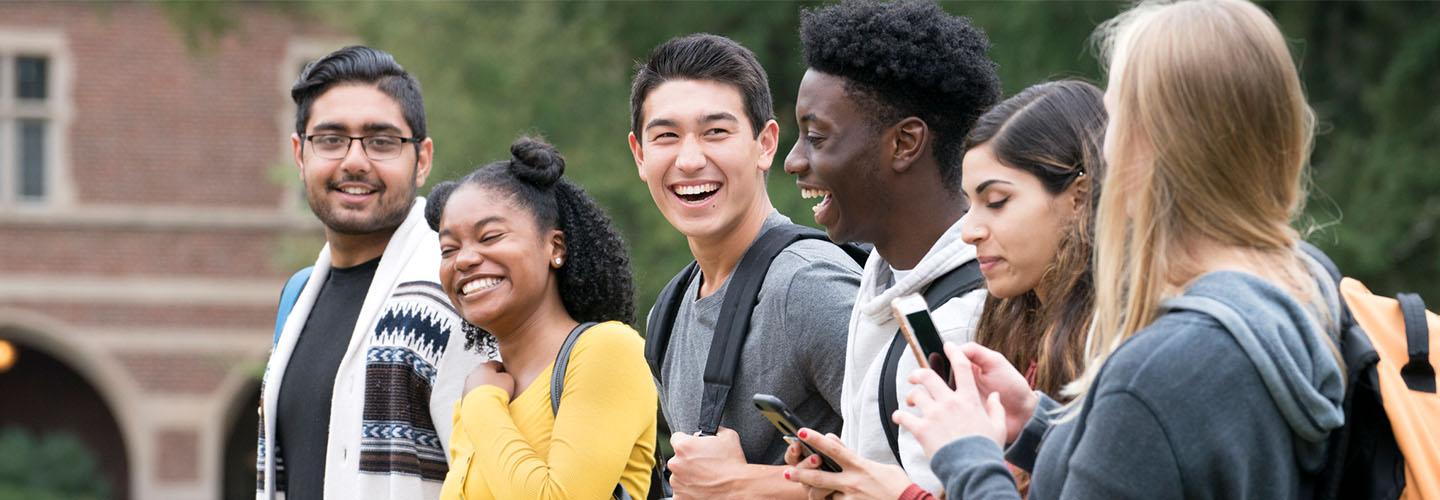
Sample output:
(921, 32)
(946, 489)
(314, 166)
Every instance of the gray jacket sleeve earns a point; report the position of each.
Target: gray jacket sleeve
(1124, 453)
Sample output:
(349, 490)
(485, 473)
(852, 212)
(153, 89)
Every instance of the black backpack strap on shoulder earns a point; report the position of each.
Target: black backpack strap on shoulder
(1418, 374)
(733, 324)
(662, 318)
(562, 360)
(957, 282)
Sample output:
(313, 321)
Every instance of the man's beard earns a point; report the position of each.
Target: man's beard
(388, 213)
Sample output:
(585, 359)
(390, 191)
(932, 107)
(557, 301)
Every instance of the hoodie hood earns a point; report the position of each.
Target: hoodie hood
(1291, 345)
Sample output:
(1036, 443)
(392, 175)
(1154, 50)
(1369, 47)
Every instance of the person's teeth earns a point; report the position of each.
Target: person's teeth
(480, 284)
(808, 193)
(697, 189)
(355, 190)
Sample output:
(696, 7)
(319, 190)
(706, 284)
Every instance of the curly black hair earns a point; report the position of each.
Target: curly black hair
(907, 58)
(595, 281)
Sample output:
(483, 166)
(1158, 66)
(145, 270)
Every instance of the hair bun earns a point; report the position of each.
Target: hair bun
(435, 203)
(536, 162)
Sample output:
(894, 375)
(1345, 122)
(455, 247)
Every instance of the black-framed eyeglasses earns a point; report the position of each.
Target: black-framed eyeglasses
(376, 147)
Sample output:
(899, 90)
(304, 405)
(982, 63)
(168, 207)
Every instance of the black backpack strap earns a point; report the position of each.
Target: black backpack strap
(957, 282)
(733, 324)
(662, 318)
(1418, 374)
(562, 359)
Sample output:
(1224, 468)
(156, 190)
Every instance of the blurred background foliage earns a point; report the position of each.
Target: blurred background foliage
(493, 71)
(55, 466)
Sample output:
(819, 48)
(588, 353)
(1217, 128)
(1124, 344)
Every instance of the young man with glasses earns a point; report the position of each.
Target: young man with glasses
(368, 364)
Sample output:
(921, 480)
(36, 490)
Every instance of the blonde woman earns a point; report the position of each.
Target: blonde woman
(1211, 371)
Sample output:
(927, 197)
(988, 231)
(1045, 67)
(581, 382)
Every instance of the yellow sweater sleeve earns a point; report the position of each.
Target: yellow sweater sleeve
(605, 429)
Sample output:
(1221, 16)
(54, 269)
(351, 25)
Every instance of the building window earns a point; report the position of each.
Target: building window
(28, 113)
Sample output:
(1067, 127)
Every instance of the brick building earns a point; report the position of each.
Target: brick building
(149, 213)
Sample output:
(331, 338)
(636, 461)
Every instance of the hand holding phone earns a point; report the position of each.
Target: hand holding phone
(788, 424)
(920, 333)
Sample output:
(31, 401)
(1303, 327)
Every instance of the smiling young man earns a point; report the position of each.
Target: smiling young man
(703, 137)
(882, 127)
(363, 378)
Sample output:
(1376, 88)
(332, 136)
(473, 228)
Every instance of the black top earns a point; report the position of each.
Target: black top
(302, 424)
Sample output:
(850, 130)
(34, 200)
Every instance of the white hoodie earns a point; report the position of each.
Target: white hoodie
(871, 330)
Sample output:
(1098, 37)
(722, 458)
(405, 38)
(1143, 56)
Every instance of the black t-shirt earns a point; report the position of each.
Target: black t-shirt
(302, 425)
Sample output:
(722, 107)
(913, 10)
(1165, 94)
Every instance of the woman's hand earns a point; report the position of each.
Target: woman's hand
(861, 478)
(983, 381)
(994, 374)
(490, 373)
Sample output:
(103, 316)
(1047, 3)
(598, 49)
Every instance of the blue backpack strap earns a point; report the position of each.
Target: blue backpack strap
(288, 296)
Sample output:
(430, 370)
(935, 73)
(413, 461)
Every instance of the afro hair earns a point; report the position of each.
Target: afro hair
(907, 58)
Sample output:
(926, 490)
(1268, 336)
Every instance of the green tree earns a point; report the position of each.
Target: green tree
(492, 71)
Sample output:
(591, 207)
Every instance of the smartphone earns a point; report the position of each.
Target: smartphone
(788, 424)
(920, 333)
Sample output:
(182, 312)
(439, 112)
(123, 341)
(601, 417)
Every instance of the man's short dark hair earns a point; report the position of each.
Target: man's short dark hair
(704, 57)
(364, 65)
(907, 58)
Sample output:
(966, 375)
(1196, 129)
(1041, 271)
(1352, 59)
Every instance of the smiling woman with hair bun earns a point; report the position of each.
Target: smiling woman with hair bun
(531, 263)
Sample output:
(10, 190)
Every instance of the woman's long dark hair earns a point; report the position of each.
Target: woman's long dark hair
(1053, 131)
(595, 283)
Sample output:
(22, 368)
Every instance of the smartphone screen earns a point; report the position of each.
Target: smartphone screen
(788, 424)
(921, 334)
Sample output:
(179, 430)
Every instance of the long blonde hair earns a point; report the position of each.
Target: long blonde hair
(1211, 134)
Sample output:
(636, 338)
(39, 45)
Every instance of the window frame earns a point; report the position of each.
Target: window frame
(55, 109)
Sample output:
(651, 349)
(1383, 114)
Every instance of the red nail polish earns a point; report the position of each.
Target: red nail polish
(787, 474)
(803, 434)
(814, 460)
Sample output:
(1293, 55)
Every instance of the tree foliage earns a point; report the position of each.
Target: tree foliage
(492, 71)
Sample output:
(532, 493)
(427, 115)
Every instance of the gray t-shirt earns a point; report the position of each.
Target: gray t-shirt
(795, 350)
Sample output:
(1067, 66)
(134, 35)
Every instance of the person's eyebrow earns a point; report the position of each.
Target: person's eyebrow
(986, 185)
(329, 127)
(381, 127)
(719, 116)
(659, 122)
(482, 222)
(475, 227)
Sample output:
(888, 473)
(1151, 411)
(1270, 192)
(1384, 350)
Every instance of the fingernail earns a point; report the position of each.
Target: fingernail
(787, 474)
(803, 434)
(814, 460)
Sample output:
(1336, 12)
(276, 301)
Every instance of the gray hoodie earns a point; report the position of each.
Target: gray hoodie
(1229, 394)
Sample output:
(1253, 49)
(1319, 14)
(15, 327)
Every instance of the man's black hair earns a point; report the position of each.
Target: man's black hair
(907, 58)
(595, 282)
(704, 57)
(359, 64)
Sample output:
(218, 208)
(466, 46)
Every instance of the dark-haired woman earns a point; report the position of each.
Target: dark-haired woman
(527, 257)
(1030, 172)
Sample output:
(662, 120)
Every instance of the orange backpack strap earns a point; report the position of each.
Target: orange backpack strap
(1417, 373)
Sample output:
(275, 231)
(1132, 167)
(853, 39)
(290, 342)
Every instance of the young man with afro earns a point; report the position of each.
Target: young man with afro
(890, 93)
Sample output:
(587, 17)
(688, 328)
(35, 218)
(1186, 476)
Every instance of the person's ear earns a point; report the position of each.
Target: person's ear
(1079, 193)
(557, 249)
(297, 147)
(909, 138)
(423, 161)
(638, 153)
(769, 139)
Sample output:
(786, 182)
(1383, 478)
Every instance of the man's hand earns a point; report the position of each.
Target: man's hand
(709, 466)
(490, 373)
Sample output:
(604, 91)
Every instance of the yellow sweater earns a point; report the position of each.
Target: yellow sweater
(604, 434)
